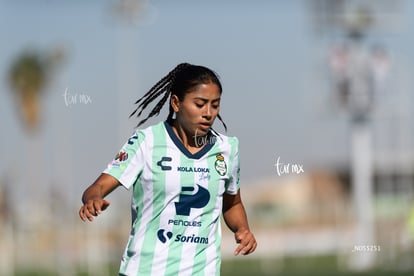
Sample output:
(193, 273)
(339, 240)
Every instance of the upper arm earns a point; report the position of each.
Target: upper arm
(230, 200)
(129, 162)
(233, 182)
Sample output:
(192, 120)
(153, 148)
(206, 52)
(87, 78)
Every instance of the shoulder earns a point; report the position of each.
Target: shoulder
(139, 135)
(232, 141)
(150, 129)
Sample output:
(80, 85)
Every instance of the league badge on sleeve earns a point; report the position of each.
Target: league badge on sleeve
(119, 160)
(220, 165)
(121, 156)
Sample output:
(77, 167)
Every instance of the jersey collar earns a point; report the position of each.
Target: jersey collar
(211, 140)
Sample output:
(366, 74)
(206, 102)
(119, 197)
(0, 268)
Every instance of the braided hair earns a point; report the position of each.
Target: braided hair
(179, 81)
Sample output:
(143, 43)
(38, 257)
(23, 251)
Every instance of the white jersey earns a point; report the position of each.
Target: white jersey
(177, 201)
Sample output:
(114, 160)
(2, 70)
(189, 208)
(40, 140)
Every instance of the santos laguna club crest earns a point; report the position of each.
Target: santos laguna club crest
(220, 165)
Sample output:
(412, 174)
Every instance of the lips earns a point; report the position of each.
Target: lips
(205, 126)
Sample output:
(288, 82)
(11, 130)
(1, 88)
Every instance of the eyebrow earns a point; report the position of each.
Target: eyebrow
(206, 100)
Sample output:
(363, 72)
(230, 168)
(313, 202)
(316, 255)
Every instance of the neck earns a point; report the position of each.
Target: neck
(187, 139)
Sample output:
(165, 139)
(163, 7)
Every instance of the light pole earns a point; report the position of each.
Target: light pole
(352, 76)
(359, 101)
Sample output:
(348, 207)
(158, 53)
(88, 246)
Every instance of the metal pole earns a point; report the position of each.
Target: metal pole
(362, 177)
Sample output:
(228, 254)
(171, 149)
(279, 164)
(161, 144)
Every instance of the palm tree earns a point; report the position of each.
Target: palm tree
(28, 76)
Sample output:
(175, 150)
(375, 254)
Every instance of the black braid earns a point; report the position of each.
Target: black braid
(156, 110)
(150, 94)
(166, 86)
(221, 120)
(149, 99)
(161, 82)
(161, 87)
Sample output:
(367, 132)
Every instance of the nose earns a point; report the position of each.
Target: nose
(207, 112)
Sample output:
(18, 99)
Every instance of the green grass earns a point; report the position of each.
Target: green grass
(297, 266)
(287, 266)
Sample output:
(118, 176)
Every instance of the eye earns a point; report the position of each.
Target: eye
(215, 104)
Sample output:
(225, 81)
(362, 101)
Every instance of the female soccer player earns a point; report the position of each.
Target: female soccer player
(183, 176)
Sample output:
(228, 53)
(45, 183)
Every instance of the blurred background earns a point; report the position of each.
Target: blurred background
(319, 92)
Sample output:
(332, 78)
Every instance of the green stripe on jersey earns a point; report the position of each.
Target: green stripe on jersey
(137, 193)
(158, 198)
(200, 260)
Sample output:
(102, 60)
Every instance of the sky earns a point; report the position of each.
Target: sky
(272, 63)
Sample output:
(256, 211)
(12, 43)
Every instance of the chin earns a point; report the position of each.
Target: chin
(200, 132)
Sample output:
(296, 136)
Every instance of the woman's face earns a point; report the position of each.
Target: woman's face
(198, 110)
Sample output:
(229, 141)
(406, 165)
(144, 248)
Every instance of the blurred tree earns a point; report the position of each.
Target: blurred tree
(28, 77)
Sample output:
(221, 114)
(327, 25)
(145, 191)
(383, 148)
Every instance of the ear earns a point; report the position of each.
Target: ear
(175, 103)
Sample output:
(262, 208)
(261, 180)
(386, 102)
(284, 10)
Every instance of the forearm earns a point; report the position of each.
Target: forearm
(92, 192)
(234, 213)
(236, 218)
(93, 197)
(102, 186)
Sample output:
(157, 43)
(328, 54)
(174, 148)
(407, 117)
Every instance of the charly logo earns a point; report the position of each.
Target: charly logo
(163, 236)
(162, 164)
(131, 139)
(188, 200)
(220, 165)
